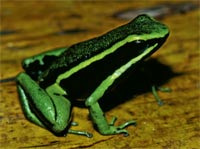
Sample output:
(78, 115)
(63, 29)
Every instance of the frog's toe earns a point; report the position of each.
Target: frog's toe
(78, 132)
(112, 122)
(132, 122)
(117, 129)
(114, 119)
(122, 131)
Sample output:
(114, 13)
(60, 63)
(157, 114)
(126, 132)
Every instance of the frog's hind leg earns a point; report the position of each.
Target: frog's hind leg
(40, 108)
(57, 93)
(26, 108)
(46, 108)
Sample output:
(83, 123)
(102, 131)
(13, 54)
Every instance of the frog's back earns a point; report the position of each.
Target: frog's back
(82, 51)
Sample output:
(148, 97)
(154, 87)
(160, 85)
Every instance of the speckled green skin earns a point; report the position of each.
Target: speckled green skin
(142, 25)
(43, 89)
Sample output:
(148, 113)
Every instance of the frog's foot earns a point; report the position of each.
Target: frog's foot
(103, 126)
(78, 132)
(120, 128)
(156, 96)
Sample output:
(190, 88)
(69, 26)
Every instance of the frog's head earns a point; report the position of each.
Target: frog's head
(145, 35)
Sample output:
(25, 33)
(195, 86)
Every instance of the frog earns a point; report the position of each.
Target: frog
(52, 80)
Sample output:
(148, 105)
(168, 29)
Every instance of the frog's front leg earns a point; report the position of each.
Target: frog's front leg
(96, 112)
(103, 126)
(47, 108)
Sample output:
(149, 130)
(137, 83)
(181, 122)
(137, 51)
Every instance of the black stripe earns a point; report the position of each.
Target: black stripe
(85, 50)
(83, 83)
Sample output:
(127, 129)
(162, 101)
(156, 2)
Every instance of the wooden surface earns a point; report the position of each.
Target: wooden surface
(30, 27)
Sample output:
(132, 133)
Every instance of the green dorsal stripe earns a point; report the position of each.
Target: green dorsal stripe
(143, 25)
(100, 56)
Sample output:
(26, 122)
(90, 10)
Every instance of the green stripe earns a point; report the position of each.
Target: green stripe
(99, 91)
(40, 57)
(112, 49)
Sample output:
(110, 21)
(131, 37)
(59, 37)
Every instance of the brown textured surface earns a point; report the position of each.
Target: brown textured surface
(36, 26)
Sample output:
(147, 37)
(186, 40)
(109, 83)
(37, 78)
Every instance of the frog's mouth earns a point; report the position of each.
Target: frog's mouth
(87, 79)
